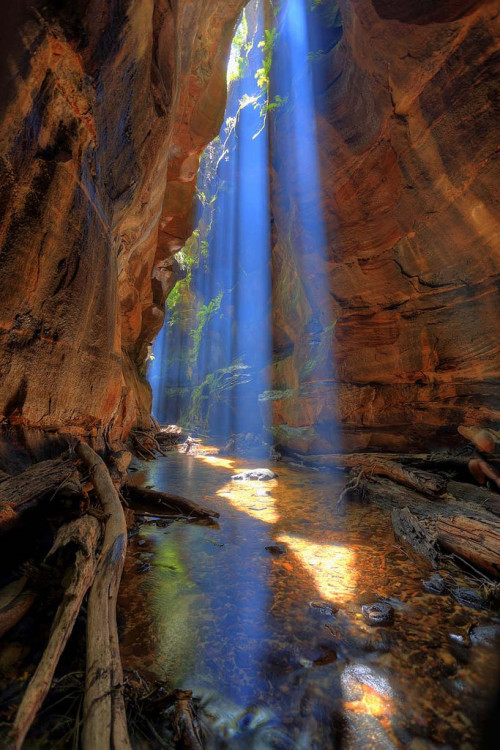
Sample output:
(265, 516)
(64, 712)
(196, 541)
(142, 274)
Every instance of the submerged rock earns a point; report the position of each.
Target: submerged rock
(485, 635)
(260, 475)
(436, 584)
(468, 597)
(379, 613)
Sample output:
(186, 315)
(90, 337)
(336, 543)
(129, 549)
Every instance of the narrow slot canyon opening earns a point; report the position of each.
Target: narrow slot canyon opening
(249, 375)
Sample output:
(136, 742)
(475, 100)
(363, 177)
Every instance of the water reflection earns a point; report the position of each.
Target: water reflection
(333, 567)
(220, 614)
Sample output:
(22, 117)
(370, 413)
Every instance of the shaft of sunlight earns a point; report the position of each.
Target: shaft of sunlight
(208, 373)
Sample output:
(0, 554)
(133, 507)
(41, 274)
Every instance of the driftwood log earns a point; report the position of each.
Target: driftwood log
(470, 521)
(23, 492)
(426, 461)
(104, 720)
(84, 534)
(175, 503)
(477, 541)
(478, 497)
(410, 529)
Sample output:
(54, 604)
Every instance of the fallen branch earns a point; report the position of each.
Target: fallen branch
(352, 485)
(177, 503)
(104, 719)
(84, 533)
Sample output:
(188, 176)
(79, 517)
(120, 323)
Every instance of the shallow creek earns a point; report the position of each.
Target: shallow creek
(215, 612)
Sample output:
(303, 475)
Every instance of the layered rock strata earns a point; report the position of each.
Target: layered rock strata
(104, 112)
(407, 147)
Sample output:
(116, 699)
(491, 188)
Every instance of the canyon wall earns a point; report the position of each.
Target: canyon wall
(105, 109)
(407, 147)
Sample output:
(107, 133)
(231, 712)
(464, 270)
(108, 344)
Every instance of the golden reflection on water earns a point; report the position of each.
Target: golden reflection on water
(218, 461)
(332, 566)
(244, 497)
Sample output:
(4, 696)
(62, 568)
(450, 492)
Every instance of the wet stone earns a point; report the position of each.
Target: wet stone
(259, 475)
(485, 635)
(379, 613)
(436, 584)
(468, 597)
(322, 608)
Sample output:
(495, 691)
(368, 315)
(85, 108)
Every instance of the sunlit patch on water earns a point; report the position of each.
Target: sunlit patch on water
(332, 566)
(246, 497)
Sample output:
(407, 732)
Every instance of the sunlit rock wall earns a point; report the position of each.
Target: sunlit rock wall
(105, 108)
(407, 147)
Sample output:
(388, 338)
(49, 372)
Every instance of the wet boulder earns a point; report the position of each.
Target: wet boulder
(259, 475)
(485, 635)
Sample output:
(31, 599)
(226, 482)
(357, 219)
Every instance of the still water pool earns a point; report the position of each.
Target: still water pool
(273, 641)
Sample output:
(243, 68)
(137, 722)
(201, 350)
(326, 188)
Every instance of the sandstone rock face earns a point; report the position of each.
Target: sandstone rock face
(407, 147)
(105, 109)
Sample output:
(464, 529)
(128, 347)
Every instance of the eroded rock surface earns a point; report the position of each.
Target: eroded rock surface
(407, 148)
(105, 110)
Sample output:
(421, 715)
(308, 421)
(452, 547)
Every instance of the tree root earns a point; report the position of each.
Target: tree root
(104, 720)
(84, 533)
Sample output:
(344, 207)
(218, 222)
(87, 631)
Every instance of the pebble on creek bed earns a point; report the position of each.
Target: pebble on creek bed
(378, 613)
(324, 608)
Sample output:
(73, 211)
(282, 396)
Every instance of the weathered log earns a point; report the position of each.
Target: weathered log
(410, 529)
(416, 479)
(387, 495)
(176, 503)
(84, 533)
(476, 541)
(22, 492)
(426, 461)
(476, 496)
(104, 720)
